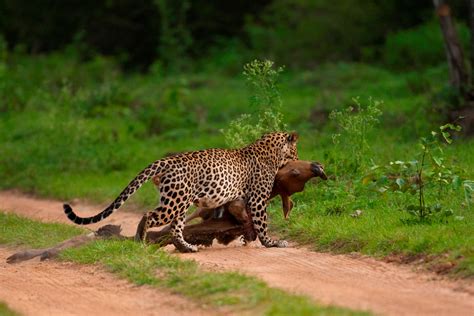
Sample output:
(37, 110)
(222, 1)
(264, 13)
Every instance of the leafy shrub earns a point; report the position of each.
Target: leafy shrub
(354, 124)
(419, 47)
(468, 188)
(226, 58)
(174, 112)
(429, 171)
(265, 100)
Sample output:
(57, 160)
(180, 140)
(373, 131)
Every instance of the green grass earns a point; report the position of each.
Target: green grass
(16, 231)
(384, 228)
(6, 311)
(152, 266)
(84, 130)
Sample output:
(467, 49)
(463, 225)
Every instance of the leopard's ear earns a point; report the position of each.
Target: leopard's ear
(293, 137)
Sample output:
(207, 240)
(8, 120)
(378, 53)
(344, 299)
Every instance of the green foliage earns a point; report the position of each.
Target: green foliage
(16, 230)
(3, 53)
(262, 79)
(468, 188)
(6, 311)
(265, 100)
(419, 47)
(354, 125)
(167, 35)
(430, 170)
(172, 114)
(381, 229)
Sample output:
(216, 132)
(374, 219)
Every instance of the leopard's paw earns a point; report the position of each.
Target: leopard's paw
(276, 243)
(281, 244)
(185, 247)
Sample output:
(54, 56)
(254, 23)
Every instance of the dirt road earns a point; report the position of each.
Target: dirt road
(58, 288)
(358, 283)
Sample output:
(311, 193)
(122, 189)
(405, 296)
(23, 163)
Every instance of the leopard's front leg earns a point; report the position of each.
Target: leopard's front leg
(258, 209)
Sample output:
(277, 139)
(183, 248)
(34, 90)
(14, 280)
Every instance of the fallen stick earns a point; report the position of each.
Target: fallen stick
(47, 253)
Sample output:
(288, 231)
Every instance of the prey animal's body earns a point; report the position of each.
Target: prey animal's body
(209, 178)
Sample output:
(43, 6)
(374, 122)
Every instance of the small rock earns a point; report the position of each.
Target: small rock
(357, 213)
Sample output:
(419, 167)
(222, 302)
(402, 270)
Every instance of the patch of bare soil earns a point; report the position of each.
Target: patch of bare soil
(358, 283)
(58, 288)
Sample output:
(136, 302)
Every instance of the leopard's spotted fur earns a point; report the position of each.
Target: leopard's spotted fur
(212, 178)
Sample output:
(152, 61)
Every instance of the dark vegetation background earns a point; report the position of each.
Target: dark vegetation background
(93, 91)
(297, 33)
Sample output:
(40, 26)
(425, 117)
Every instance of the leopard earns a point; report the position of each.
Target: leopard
(210, 177)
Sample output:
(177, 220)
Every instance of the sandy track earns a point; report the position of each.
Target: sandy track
(58, 288)
(359, 283)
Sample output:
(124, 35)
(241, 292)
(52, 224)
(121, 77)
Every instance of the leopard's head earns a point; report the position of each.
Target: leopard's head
(278, 146)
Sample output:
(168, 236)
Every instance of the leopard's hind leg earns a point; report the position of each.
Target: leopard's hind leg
(177, 227)
(165, 214)
(161, 215)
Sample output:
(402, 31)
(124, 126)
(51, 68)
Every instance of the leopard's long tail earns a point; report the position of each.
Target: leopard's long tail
(147, 173)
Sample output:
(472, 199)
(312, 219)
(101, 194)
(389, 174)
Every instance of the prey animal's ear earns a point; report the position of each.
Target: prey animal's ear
(293, 137)
(295, 172)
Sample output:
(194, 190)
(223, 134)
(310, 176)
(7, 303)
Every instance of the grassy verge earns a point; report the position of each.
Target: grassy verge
(324, 218)
(17, 231)
(152, 266)
(6, 311)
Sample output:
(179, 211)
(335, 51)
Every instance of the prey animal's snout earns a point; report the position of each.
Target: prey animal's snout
(318, 170)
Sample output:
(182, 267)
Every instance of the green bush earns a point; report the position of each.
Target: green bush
(419, 47)
(354, 124)
(262, 80)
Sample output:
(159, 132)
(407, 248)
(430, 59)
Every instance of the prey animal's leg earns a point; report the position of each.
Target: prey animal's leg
(287, 204)
(238, 209)
(201, 213)
(218, 212)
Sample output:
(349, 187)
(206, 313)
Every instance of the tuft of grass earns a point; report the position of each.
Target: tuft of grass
(16, 230)
(152, 266)
(6, 311)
